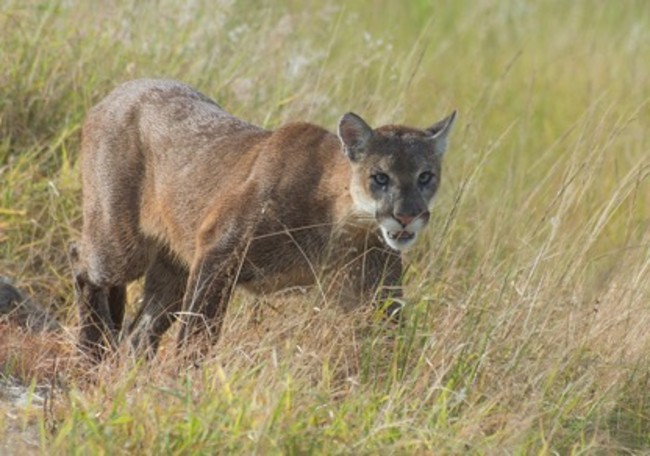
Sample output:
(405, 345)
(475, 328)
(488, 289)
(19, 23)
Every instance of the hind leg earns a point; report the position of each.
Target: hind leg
(164, 286)
(113, 249)
(117, 305)
(100, 277)
(97, 331)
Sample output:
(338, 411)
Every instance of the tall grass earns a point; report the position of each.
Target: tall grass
(529, 298)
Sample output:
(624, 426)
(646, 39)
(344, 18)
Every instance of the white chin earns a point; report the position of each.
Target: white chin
(400, 241)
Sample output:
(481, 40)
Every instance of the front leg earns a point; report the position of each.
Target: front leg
(372, 276)
(221, 249)
(209, 288)
(221, 246)
(381, 280)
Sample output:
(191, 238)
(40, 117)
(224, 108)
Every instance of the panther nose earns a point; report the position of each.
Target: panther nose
(404, 220)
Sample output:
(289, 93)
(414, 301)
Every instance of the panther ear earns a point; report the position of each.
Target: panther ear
(354, 134)
(439, 132)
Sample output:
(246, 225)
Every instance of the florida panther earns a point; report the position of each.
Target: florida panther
(197, 201)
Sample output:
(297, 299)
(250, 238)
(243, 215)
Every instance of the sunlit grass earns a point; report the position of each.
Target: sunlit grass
(526, 329)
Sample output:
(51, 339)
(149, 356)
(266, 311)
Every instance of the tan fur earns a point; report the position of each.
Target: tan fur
(198, 201)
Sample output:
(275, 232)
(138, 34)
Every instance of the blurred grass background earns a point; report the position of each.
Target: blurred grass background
(530, 296)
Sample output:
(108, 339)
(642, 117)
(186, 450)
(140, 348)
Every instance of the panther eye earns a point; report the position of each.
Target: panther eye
(425, 178)
(381, 179)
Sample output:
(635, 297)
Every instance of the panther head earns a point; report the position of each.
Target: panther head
(395, 173)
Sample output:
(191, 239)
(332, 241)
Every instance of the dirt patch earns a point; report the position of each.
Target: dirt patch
(21, 410)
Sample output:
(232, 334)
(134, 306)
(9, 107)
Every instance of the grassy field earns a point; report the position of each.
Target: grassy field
(527, 330)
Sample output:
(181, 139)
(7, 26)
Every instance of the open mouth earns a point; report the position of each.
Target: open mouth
(402, 236)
